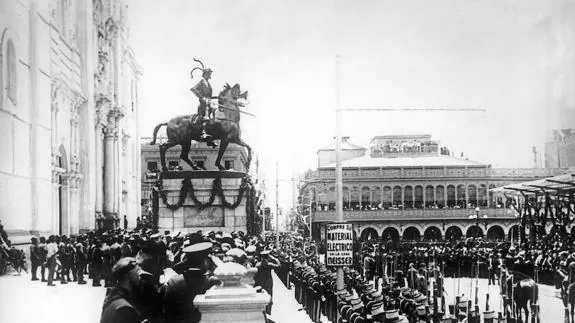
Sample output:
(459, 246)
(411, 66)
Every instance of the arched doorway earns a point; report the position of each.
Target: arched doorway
(474, 232)
(369, 234)
(495, 233)
(432, 234)
(390, 233)
(453, 233)
(411, 233)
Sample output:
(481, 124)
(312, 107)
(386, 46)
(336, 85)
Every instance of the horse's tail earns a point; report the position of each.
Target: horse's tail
(153, 142)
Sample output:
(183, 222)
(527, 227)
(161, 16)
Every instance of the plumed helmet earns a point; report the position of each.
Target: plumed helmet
(202, 68)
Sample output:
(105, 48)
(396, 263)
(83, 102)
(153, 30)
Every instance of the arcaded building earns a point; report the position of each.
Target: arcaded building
(411, 187)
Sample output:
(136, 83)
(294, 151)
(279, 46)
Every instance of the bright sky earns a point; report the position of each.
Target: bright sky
(394, 54)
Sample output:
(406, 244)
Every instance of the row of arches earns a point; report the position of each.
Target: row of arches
(407, 197)
(433, 233)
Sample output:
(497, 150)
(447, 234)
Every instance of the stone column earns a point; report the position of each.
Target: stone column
(98, 165)
(117, 193)
(55, 202)
(108, 160)
(65, 205)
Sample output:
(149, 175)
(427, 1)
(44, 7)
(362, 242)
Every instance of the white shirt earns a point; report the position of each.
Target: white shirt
(52, 249)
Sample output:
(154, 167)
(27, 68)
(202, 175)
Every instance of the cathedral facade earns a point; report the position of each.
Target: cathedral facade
(68, 117)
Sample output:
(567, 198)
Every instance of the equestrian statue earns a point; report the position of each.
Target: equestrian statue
(217, 118)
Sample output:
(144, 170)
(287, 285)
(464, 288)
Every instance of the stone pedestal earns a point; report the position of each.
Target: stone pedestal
(236, 301)
(189, 217)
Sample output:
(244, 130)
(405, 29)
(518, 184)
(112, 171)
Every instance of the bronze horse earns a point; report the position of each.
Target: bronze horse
(225, 127)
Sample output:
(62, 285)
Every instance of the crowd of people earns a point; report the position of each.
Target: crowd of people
(386, 282)
(150, 275)
(155, 276)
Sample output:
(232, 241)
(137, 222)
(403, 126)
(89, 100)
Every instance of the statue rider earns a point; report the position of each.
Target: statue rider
(203, 90)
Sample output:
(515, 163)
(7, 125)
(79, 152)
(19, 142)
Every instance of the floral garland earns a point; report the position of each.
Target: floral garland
(217, 190)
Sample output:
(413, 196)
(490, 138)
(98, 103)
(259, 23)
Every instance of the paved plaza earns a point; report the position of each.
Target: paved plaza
(25, 301)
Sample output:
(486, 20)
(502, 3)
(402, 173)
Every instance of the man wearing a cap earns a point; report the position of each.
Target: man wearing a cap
(181, 289)
(263, 277)
(122, 304)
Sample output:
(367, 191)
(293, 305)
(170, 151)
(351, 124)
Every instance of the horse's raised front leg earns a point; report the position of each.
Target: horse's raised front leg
(221, 151)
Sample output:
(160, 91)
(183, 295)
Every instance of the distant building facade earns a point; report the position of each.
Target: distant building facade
(234, 158)
(560, 151)
(68, 117)
(410, 187)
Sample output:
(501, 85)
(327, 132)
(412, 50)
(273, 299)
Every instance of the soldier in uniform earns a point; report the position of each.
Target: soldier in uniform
(35, 258)
(42, 251)
(80, 262)
(183, 288)
(411, 275)
(203, 90)
(97, 263)
(263, 277)
(122, 304)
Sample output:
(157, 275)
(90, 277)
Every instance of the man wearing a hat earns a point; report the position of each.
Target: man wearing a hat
(263, 277)
(121, 304)
(181, 289)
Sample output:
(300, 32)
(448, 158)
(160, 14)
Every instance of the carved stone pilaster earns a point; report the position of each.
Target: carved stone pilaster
(55, 90)
(112, 28)
(125, 138)
(75, 164)
(102, 103)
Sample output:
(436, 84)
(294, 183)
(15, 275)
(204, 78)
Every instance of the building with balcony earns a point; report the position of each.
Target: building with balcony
(411, 187)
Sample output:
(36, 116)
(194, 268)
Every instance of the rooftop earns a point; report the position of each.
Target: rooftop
(345, 145)
(431, 161)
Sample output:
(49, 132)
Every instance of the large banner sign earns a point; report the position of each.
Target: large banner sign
(339, 244)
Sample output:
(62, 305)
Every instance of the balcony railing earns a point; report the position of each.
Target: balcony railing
(424, 214)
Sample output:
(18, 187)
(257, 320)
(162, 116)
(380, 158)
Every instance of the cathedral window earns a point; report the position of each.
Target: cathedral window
(11, 81)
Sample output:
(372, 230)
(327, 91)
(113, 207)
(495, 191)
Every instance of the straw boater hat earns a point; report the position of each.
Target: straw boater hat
(356, 303)
(392, 316)
(420, 299)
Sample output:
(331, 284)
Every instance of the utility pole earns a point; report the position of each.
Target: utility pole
(277, 208)
(310, 214)
(338, 169)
